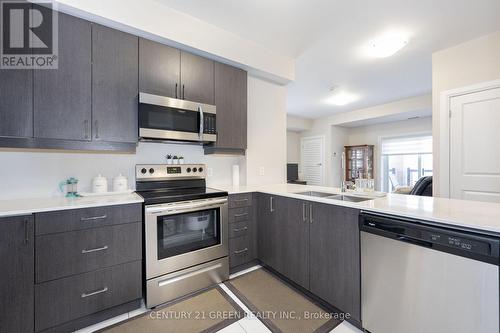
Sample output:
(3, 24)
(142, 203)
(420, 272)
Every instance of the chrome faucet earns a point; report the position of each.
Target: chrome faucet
(343, 185)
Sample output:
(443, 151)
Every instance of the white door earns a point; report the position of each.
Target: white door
(312, 155)
(475, 146)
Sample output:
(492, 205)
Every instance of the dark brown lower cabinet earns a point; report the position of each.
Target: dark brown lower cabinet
(314, 245)
(293, 242)
(61, 301)
(17, 278)
(335, 273)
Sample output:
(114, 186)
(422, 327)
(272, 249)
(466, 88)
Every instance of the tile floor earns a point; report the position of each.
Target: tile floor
(248, 324)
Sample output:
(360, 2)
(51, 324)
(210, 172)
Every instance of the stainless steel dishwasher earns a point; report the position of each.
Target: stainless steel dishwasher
(421, 278)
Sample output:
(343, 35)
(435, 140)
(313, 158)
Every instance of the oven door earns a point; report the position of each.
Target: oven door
(166, 118)
(185, 234)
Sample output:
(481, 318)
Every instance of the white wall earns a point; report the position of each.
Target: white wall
(370, 135)
(28, 174)
(292, 147)
(466, 64)
(298, 124)
(266, 132)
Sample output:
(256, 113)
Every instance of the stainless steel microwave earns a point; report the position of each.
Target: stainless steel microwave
(166, 118)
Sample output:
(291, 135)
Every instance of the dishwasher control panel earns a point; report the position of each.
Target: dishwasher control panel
(457, 242)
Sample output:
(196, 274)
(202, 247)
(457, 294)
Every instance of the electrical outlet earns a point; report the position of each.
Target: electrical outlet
(261, 171)
(210, 172)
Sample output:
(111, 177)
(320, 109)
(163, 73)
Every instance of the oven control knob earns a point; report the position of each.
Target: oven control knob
(194, 169)
(151, 171)
(188, 170)
(143, 171)
(200, 169)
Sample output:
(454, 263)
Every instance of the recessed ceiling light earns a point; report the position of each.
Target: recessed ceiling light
(386, 45)
(341, 98)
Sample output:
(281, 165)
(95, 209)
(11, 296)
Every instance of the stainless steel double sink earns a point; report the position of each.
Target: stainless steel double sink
(341, 197)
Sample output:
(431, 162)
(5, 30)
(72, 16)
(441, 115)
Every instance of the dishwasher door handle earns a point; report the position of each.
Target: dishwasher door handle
(414, 241)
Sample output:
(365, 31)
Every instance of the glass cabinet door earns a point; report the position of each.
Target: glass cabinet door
(186, 232)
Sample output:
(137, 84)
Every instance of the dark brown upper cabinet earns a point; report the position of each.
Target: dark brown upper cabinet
(231, 102)
(16, 103)
(159, 69)
(197, 79)
(62, 96)
(114, 85)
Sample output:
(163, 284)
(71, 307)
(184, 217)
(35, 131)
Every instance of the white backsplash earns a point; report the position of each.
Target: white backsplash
(32, 173)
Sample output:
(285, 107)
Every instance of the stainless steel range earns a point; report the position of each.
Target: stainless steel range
(186, 238)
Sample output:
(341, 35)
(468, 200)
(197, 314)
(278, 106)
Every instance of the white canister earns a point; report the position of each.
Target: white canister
(99, 184)
(120, 183)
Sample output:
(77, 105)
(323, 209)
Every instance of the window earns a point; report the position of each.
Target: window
(405, 160)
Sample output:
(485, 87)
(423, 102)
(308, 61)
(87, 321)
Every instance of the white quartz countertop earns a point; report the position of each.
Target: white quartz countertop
(37, 205)
(450, 212)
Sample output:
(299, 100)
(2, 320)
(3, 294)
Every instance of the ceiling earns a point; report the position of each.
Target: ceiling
(326, 38)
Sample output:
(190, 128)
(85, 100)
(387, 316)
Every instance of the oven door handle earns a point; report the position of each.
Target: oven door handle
(186, 207)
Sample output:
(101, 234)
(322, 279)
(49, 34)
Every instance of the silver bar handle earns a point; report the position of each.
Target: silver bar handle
(105, 247)
(160, 209)
(240, 215)
(311, 213)
(241, 251)
(97, 292)
(240, 200)
(200, 109)
(304, 217)
(271, 204)
(240, 229)
(96, 129)
(93, 218)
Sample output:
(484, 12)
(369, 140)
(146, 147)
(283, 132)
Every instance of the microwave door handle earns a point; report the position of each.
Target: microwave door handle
(200, 109)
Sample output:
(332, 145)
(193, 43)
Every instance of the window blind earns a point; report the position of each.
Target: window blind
(407, 145)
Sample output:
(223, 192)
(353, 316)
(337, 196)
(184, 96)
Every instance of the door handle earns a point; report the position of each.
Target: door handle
(311, 213)
(240, 229)
(26, 232)
(176, 90)
(241, 251)
(100, 291)
(183, 92)
(86, 128)
(240, 215)
(96, 123)
(271, 204)
(105, 247)
(304, 217)
(93, 218)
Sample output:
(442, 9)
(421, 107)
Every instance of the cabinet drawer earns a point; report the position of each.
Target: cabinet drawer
(69, 253)
(238, 229)
(239, 251)
(60, 301)
(85, 218)
(240, 214)
(240, 200)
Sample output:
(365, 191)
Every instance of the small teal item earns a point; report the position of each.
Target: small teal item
(71, 187)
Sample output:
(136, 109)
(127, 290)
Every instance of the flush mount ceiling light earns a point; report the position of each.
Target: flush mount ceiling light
(386, 45)
(341, 98)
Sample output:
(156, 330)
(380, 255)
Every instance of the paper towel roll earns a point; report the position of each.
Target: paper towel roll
(236, 175)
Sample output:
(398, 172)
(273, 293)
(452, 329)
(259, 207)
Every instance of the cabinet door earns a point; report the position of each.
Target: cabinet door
(197, 78)
(231, 102)
(62, 97)
(17, 278)
(159, 69)
(335, 257)
(16, 102)
(115, 88)
(272, 213)
(293, 242)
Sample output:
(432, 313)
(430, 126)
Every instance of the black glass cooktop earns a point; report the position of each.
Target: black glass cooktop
(160, 196)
